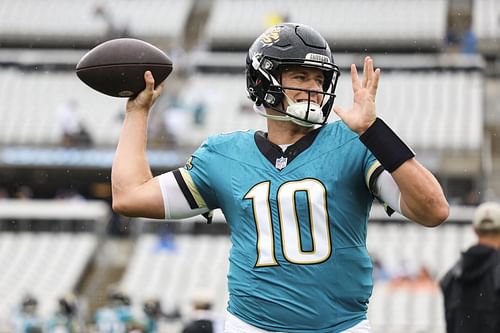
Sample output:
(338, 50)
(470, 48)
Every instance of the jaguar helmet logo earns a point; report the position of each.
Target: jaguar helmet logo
(271, 36)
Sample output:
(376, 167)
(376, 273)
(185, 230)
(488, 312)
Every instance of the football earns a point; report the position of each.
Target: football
(116, 67)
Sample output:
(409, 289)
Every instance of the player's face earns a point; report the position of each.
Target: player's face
(303, 78)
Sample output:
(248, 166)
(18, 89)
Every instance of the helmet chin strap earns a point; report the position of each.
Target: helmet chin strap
(301, 110)
(261, 110)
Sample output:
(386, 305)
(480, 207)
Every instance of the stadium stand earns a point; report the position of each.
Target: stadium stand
(46, 265)
(418, 304)
(86, 23)
(176, 270)
(448, 104)
(233, 24)
(34, 120)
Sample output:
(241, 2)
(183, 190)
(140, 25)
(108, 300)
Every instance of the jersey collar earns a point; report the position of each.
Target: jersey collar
(273, 152)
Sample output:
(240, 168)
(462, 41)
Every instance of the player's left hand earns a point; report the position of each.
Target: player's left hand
(362, 113)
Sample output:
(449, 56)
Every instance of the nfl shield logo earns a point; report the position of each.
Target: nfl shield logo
(281, 163)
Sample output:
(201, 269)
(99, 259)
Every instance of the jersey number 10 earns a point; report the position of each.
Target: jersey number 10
(289, 222)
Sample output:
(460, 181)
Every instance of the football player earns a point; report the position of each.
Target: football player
(296, 197)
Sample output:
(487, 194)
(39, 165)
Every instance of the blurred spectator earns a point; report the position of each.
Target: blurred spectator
(471, 198)
(175, 120)
(275, 18)
(68, 194)
(246, 108)
(199, 114)
(471, 288)
(119, 225)
(74, 132)
(66, 319)
(153, 314)
(158, 132)
(424, 281)
(380, 273)
(203, 319)
(4, 193)
(166, 242)
(114, 28)
(416, 278)
(23, 192)
(116, 316)
(26, 319)
(452, 39)
(403, 274)
(468, 44)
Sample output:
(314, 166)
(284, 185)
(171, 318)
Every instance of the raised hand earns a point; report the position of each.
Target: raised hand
(147, 97)
(362, 113)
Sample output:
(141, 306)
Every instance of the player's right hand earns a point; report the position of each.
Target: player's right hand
(145, 99)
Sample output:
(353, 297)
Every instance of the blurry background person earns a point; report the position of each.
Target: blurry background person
(4, 193)
(472, 286)
(152, 314)
(26, 319)
(203, 319)
(74, 131)
(23, 192)
(66, 319)
(116, 316)
(114, 28)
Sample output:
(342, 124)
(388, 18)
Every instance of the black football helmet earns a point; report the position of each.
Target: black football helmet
(283, 45)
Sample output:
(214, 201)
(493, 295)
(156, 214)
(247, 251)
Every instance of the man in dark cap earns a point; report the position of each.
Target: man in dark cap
(471, 288)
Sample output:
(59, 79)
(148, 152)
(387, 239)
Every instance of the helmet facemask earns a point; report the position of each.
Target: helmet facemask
(270, 93)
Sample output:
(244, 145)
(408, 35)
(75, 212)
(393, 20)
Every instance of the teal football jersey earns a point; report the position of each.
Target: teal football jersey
(298, 223)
